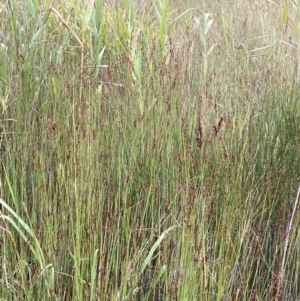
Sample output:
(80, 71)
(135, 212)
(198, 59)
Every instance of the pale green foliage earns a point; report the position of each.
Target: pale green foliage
(149, 152)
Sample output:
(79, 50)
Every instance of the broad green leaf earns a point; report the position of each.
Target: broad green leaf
(98, 14)
(154, 247)
(132, 11)
(208, 21)
(99, 60)
(202, 34)
(35, 37)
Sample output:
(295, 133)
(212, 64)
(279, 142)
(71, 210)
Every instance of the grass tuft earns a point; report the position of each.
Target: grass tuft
(149, 150)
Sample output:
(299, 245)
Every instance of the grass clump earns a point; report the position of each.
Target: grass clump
(149, 150)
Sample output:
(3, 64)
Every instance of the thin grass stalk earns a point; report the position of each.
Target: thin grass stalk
(287, 236)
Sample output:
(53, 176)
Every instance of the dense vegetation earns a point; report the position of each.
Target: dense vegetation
(149, 151)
